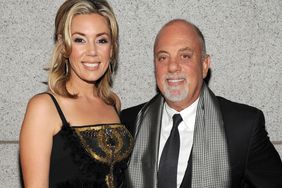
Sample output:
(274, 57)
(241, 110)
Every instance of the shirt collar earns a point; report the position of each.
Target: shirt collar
(188, 114)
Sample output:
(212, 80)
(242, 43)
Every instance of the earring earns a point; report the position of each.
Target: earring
(111, 67)
(66, 68)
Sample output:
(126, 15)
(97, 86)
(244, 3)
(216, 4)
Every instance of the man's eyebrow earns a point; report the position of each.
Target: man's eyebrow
(161, 51)
(185, 49)
(180, 50)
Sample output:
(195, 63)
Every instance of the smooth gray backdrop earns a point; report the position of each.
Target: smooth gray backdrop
(244, 39)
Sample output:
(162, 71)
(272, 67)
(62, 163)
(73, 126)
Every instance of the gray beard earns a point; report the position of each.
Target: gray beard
(175, 98)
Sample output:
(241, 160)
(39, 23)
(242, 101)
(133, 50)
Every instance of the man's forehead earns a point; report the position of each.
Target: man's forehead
(174, 49)
(175, 42)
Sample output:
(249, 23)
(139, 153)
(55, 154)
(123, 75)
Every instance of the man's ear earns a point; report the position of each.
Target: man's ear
(206, 65)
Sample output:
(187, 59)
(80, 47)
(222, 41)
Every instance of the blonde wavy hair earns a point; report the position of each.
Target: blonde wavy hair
(58, 70)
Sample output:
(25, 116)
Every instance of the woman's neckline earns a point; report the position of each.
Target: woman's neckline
(93, 125)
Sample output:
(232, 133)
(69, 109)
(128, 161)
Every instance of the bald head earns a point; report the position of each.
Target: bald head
(181, 23)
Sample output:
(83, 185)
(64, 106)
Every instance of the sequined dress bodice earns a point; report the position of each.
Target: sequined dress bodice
(89, 156)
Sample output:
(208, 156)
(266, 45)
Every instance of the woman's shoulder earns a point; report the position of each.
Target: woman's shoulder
(40, 101)
(41, 111)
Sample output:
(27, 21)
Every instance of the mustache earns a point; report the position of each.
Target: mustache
(175, 76)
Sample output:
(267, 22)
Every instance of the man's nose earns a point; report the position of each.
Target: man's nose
(174, 65)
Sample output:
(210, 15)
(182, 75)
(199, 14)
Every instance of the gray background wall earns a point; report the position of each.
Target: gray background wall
(244, 38)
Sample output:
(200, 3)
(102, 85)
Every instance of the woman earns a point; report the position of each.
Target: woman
(71, 135)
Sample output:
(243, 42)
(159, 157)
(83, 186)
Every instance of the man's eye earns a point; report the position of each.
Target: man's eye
(186, 56)
(161, 58)
(78, 40)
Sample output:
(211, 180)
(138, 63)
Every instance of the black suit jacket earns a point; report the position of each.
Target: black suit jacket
(254, 160)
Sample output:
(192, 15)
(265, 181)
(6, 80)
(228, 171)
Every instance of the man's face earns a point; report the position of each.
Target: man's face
(179, 65)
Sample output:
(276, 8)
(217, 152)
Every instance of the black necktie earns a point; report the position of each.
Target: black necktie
(167, 175)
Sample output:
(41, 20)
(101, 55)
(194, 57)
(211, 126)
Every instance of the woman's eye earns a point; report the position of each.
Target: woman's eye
(78, 40)
(103, 41)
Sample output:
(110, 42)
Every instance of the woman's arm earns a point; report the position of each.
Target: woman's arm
(36, 141)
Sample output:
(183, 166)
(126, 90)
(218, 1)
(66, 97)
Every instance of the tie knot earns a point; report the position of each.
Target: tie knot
(176, 120)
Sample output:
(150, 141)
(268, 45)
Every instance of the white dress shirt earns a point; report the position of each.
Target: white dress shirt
(186, 131)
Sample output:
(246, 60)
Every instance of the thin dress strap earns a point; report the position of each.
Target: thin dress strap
(62, 116)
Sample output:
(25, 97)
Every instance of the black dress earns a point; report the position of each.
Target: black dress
(89, 156)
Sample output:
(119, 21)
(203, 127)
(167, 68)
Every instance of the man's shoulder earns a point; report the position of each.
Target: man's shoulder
(132, 111)
(234, 112)
(235, 107)
(128, 115)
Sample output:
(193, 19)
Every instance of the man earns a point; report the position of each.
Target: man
(186, 136)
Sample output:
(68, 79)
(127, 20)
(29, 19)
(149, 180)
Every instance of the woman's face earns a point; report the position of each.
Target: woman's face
(91, 47)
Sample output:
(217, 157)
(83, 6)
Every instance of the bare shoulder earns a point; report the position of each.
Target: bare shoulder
(40, 102)
(40, 106)
(36, 137)
(118, 102)
(41, 113)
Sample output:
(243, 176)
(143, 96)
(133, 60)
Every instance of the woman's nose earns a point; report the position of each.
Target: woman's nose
(91, 49)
